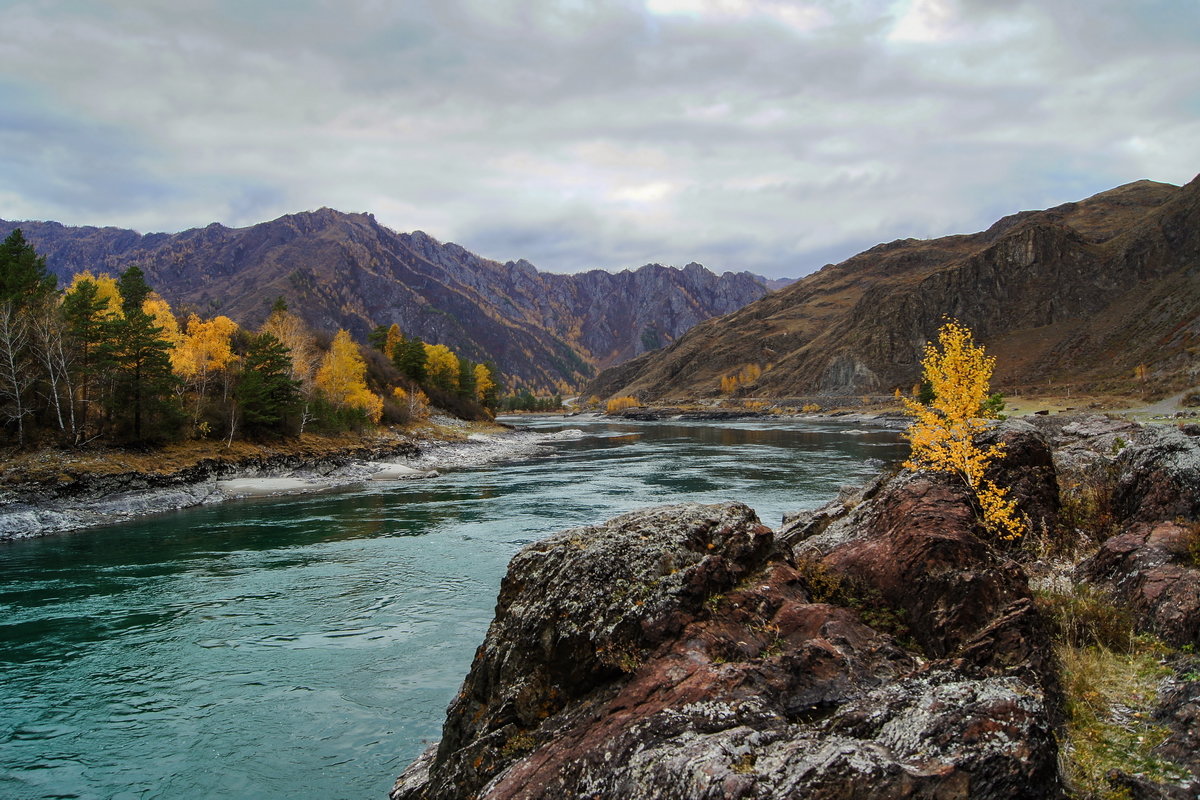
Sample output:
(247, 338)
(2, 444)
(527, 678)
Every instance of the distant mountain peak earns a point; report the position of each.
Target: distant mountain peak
(345, 270)
(1081, 293)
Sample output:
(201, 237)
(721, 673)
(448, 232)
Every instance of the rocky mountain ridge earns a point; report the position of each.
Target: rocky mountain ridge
(878, 646)
(341, 270)
(1080, 294)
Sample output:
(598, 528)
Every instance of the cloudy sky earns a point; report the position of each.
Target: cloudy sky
(769, 135)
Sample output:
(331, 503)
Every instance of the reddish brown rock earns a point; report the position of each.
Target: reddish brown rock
(918, 546)
(1150, 568)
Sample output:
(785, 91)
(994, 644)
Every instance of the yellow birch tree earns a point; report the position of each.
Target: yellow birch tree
(394, 338)
(943, 433)
(483, 381)
(106, 289)
(293, 334)
(342, 377)
(441, 367)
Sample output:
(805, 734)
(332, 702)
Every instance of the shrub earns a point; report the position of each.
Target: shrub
(620, 404)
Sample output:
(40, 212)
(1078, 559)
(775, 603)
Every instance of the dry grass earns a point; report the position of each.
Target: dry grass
(1110, 676)
(1110, 697)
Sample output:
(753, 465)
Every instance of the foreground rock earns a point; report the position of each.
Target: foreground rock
(682, 652)
(1153, 569)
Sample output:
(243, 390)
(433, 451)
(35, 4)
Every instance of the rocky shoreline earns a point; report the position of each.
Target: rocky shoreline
(879, 646)
(84, 500)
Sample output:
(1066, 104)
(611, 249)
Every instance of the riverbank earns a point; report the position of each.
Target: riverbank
(46, 492)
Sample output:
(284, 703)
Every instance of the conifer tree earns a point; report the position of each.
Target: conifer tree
(409, 359)
(267, 396)
(23, 275)
(466, 378)
(26, 289)
(84, 313)
(138, 355)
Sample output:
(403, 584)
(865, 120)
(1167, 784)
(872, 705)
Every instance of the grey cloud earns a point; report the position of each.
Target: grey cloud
(592, 133)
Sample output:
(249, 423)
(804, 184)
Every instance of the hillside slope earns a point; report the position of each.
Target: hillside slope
(1082, 294)
(342, 270)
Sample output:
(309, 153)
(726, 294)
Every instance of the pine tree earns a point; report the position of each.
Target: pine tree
(466, 378)
(26, 289)
(409, 358)
(144, 384)
(23, 275)
(134, 289)
(84, 313)
(267, 396)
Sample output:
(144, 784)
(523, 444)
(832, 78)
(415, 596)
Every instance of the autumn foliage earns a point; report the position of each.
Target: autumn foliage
(620, 404)
(943, 433)
(342, 377)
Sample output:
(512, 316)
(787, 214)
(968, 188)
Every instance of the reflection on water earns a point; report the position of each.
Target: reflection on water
(308, 646)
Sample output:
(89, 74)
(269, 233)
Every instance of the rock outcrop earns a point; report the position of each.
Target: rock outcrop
(681, 652)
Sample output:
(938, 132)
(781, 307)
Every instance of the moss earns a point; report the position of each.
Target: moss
(744, 765)
(518, 743)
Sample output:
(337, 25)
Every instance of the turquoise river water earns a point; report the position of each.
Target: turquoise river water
(307, 647)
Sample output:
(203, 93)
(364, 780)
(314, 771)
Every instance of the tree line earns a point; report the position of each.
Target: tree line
(107, 358)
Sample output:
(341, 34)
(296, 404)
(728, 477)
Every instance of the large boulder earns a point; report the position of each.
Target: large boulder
(918, 548)
(1151, 568)
(1159, 476)
(680, 652)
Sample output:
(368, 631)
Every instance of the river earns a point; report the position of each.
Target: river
(307, 647)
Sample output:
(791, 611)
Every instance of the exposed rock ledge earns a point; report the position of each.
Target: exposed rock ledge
(877, 647)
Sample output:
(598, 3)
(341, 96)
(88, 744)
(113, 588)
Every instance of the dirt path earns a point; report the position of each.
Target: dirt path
(1166, 406)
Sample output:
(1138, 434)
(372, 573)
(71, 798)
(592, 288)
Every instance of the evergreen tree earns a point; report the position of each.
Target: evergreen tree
(410, 359)
(268, 397)
(26, 290)
(134, 289)
(377, 338)
(143, 400)
(84, 314)
(23, 275)
(466, 378)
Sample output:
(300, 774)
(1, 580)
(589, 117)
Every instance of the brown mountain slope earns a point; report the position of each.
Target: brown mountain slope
(346, 271)
(1081, 293)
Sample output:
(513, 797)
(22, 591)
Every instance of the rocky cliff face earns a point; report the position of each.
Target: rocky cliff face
(874, 647)
(347, 271)
(1082, 293)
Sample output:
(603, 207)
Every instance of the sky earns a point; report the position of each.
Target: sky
(762, 135)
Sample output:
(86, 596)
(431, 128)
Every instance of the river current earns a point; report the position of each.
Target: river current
(307, 647)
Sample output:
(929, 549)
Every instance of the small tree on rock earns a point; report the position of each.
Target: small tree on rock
(943, 433)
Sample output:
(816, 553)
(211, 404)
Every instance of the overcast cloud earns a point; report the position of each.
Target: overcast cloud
(765, 135)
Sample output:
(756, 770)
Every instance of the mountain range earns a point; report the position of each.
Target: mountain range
(1087, 294)
(339, 270)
